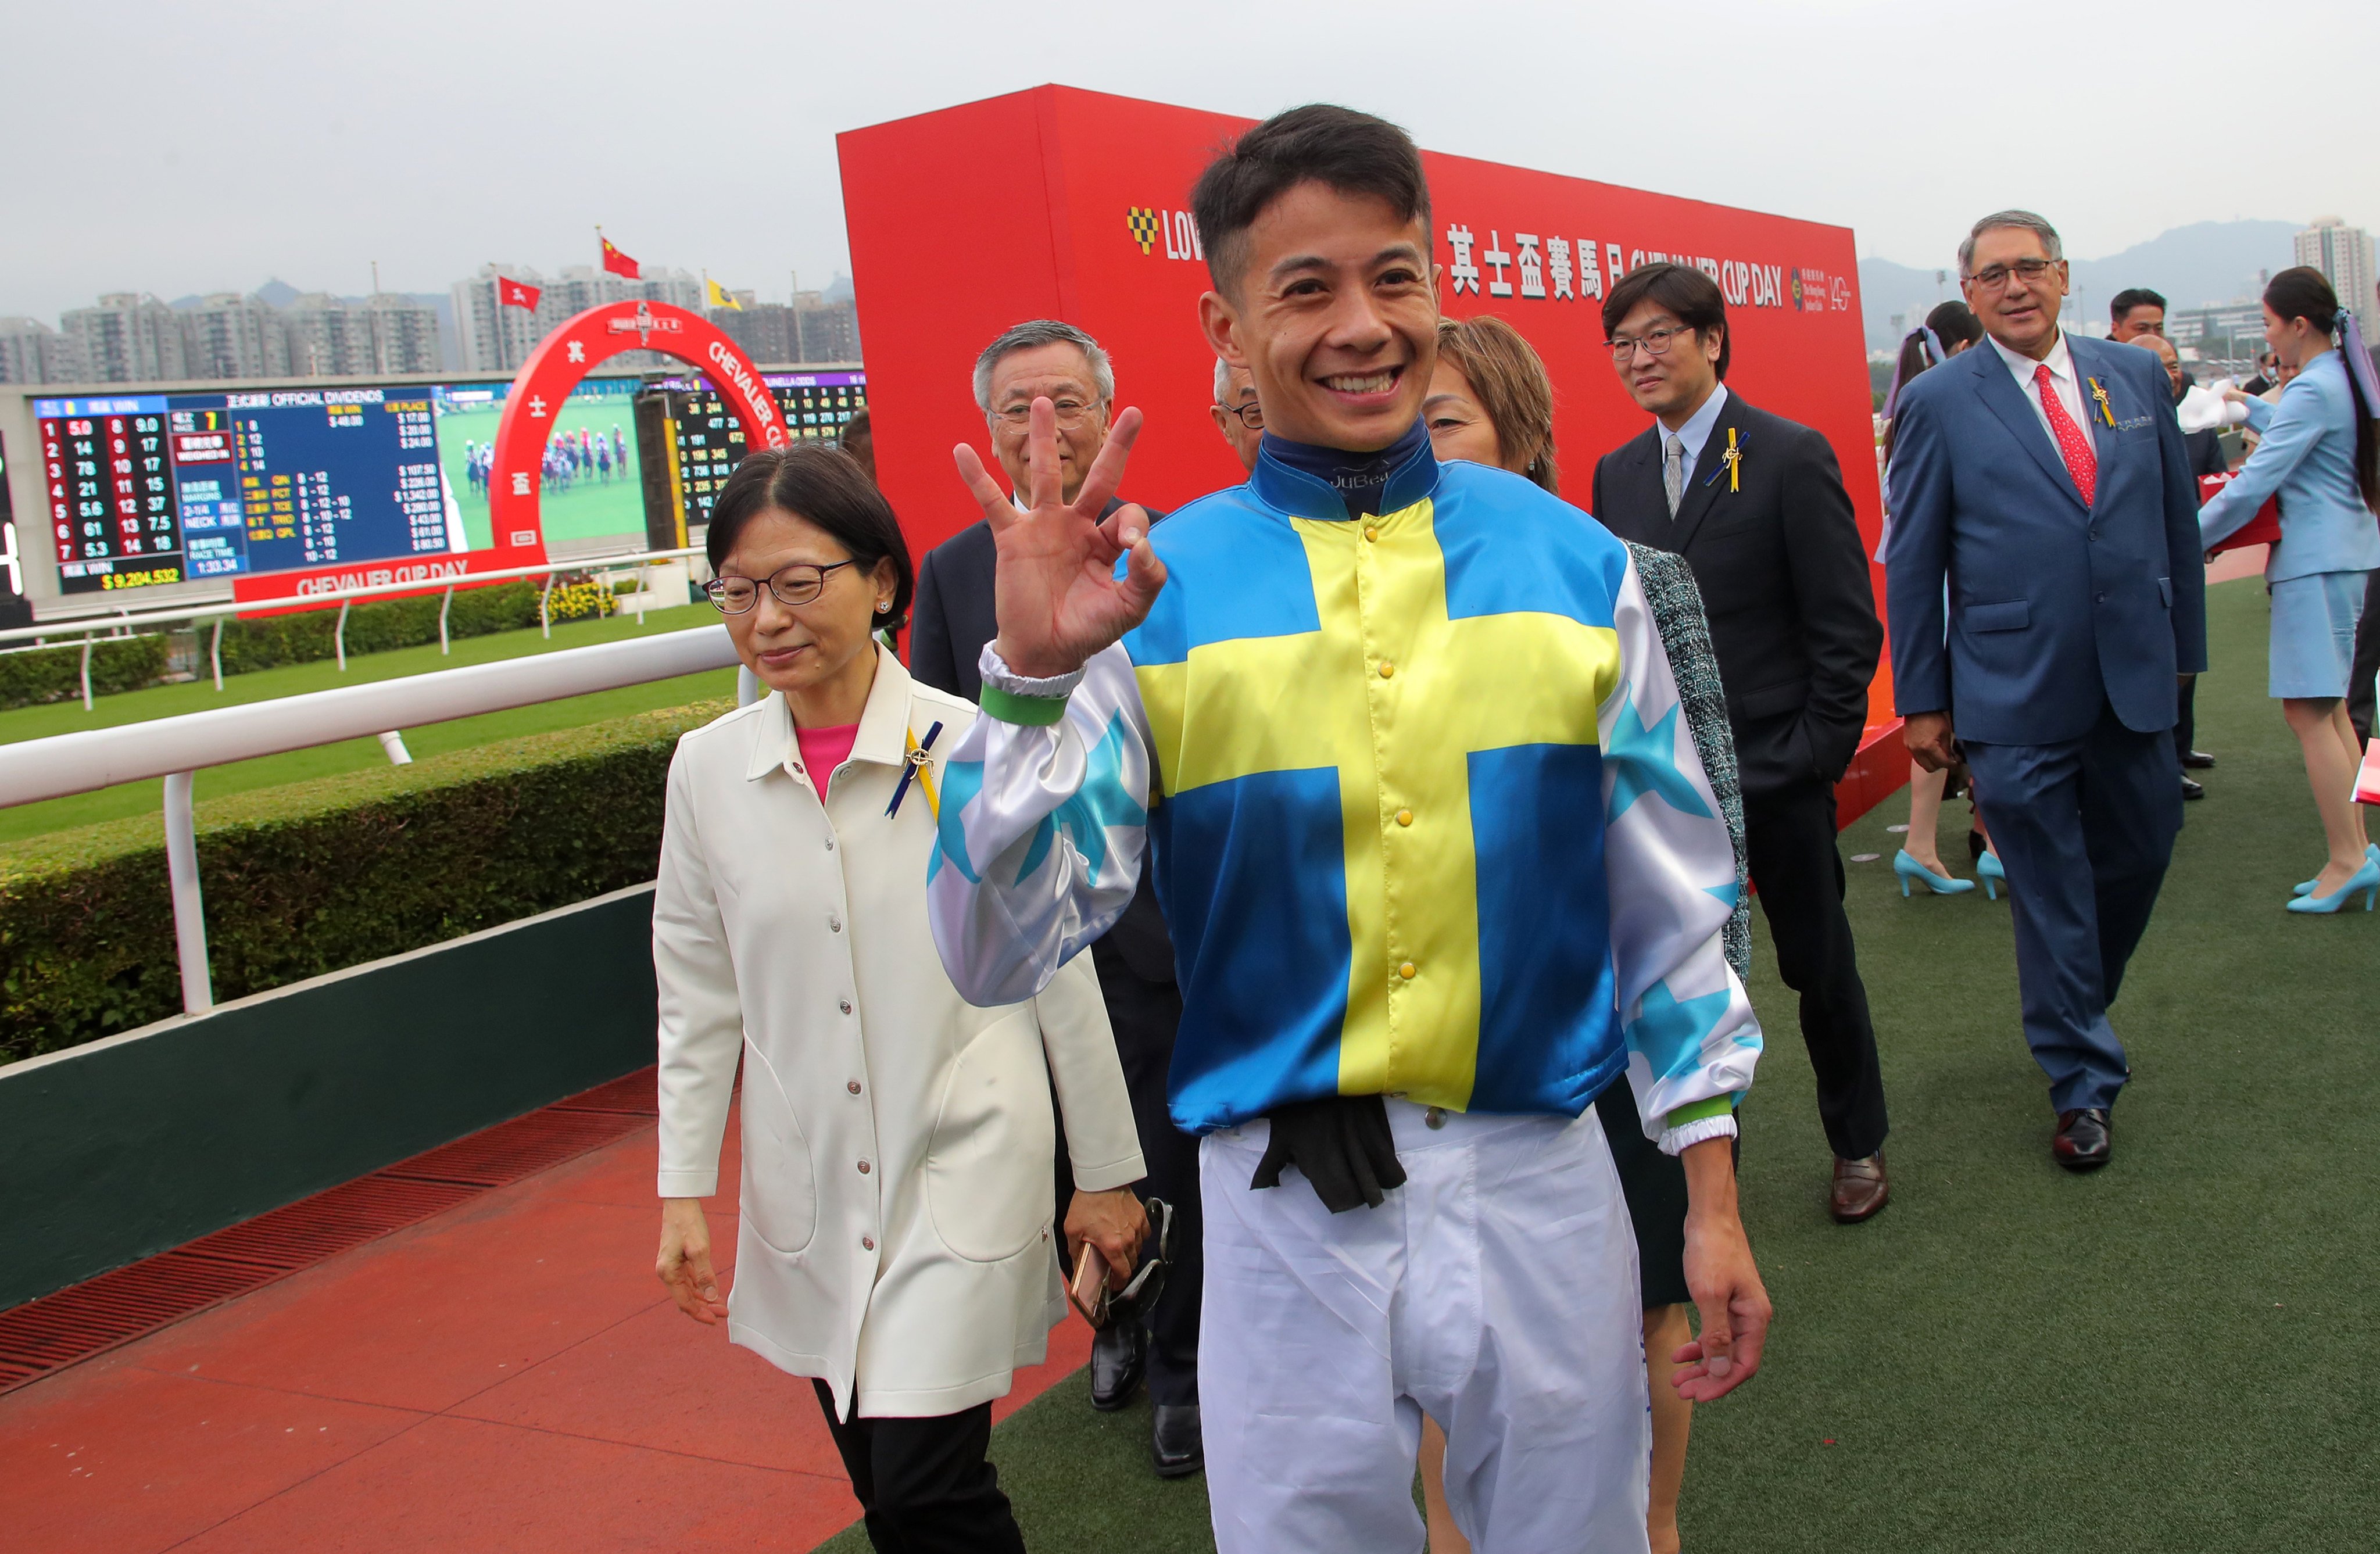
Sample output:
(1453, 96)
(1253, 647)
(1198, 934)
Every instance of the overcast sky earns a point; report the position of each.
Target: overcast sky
(182, 148)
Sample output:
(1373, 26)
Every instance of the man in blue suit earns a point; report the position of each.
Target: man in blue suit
(2042, 480)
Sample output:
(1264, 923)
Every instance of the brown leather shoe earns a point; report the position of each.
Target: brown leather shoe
(1861, 1188)
(2085, 1139)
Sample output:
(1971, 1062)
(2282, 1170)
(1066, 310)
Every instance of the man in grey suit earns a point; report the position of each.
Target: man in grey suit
(2042, 480)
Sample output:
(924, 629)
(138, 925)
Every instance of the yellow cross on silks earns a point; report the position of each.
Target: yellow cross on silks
(1396, 696)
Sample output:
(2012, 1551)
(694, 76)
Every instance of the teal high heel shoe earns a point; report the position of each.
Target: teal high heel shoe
(2365, 880)
(1988, 869)
(1910, 870)
(2305, 887)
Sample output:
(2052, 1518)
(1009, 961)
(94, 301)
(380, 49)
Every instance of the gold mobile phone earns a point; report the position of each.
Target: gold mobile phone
(1089, 1288)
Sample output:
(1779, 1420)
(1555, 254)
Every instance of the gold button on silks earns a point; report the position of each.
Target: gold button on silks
(1371, 533)
(1408, 971)
(1404, 817)
(1387, 670)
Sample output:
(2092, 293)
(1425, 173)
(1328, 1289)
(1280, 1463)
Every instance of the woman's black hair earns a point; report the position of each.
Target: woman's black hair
(2303, 292)
(1954, 323)
(824, 486)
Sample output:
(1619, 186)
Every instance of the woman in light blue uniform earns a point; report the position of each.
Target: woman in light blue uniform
(2320, 454)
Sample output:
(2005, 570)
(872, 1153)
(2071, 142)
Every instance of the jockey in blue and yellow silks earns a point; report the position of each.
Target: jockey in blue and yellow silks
(1426, 822)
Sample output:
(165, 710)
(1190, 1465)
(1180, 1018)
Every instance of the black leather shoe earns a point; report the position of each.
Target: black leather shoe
(1119, 1356)
(2198, 761)
(2192, 788)
(2085, 1139)
(1174, 1444)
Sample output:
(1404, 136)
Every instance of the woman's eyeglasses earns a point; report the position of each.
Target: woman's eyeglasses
(797, 584)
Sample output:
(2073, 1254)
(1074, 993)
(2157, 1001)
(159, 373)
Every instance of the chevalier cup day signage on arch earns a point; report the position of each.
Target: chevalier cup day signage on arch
(1089, 221)
(515, 470)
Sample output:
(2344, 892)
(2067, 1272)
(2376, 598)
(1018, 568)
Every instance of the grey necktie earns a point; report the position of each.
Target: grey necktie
(1673, 471)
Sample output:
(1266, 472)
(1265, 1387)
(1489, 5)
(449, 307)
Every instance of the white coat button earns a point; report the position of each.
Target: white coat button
(867, 1243)
(863, 1168)
(829, 844)
(834, 922)
(844, 1004)
(852, 1086)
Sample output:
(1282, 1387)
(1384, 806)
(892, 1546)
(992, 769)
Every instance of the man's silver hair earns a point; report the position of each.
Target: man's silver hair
(1222, 381)
(1036, 333)
(2026, 219)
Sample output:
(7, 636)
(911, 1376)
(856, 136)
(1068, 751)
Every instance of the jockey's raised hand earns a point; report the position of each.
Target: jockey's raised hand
(1057, 597)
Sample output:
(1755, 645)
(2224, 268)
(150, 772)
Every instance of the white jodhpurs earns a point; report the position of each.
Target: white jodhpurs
(1494, 1291)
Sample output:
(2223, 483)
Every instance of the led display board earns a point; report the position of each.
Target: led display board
(692, 442)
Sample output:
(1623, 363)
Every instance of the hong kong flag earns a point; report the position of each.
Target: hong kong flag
(618, 263)
(517, 294)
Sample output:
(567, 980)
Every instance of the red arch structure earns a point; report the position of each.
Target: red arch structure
(576, 349)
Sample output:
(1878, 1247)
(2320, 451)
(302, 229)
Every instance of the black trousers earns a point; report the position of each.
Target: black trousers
(1798, 872)
(2185, 726)
(2367, 659)
(1145, 1014)
(926, 1484)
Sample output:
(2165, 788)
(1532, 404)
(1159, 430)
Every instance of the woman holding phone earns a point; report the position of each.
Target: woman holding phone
(894, 1241)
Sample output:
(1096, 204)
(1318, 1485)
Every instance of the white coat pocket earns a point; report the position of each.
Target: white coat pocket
(780, 1198)
(988, 1168)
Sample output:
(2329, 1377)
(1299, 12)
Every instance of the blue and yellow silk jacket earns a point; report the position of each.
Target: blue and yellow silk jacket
(1423, 814)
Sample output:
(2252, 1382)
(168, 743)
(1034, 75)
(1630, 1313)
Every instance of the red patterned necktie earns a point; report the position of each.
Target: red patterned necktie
(2081, 462)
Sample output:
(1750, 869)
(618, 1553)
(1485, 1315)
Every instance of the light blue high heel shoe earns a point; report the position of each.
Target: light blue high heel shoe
(1988, 869)
(1910, 870)
(2365, 880)
(2305, 887)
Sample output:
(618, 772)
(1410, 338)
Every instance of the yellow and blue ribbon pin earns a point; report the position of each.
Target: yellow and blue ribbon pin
(920, 768)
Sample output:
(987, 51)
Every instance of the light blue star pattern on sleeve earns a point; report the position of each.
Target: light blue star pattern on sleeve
(1669, 1030)
(962, 781)
(1645, 760)
(1103, 801)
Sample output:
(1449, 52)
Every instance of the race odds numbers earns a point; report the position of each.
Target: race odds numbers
(164, 488)
(111, 492)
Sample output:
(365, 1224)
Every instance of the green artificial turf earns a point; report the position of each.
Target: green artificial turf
(2176, 1354)
(197, 696)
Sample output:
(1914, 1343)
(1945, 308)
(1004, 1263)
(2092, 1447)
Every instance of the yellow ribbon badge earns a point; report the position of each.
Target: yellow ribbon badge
(2099, 393)
(1734, 459)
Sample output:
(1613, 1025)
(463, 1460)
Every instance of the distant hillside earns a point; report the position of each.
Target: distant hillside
(2207, 261)
(278, 293)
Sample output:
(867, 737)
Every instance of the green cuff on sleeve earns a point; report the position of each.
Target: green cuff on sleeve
(1716, 1105)
(1034, 711)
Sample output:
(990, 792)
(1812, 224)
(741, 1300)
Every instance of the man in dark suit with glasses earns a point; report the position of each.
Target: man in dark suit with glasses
(1755, 503)
(954, 619)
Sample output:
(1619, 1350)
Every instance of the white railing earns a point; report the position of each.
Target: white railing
(97, 629)
(175, 748)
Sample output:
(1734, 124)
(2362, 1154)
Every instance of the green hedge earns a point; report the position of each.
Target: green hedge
(306, 637)
(118, 664)
(315, 877)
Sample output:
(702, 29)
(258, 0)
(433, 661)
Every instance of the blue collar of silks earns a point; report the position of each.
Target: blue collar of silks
(1332, 483)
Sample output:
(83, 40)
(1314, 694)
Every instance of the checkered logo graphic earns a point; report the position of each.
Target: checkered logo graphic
(1141, 222)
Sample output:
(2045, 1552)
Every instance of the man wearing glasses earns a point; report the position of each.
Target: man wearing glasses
(2045, 482)
(1755, 503)
(1046, 358)
(1237, 414)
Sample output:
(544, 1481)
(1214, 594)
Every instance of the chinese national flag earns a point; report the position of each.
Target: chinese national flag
(517, 294)
(618, 263)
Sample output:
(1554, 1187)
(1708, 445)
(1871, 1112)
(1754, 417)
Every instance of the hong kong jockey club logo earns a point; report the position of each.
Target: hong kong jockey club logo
(1142, 223)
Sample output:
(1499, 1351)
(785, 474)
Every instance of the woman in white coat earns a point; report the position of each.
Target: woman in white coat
(895, 1242)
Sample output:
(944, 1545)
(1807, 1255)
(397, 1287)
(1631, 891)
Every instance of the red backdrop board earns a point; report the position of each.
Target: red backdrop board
(1061, 203)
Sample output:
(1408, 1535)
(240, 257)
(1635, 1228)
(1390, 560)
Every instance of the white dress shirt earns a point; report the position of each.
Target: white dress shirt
(2060, 363)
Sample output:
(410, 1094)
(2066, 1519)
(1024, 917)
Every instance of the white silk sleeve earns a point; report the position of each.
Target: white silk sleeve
(1693, 1038)
(1041, 831)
